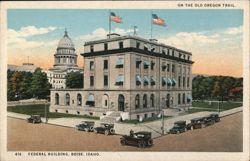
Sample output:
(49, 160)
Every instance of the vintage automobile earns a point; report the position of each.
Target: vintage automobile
(141, 139)
(179, 127)
(105, 128)
(208, 121)
(215, 117)
(87, 126)
(34, 119)
(197, 123)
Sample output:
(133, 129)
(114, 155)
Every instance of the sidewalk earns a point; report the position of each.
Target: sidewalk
(123, 129)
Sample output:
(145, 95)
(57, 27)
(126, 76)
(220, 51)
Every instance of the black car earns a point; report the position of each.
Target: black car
(86, 126)
(179, 127)
(105, 128)
(197, 123)
(215, 117)
(34, 119)
(141, 139)
(208, 121)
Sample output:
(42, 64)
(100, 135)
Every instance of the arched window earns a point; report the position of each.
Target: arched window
(144, 101)
(137, 101)
(152, 100)
(67, 99)
(183, 98)
(79, 99)
(57, 99)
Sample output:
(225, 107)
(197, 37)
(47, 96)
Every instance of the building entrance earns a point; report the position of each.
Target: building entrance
(121, 101)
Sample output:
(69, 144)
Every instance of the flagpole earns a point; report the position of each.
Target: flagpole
(151, 33)
(109, 23)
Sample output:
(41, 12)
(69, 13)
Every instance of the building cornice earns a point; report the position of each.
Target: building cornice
(136, 50)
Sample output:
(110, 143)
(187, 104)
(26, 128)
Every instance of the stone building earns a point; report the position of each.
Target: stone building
(133, 77)
(65, 61)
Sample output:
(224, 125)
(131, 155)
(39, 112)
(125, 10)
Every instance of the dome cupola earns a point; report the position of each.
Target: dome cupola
(65, 56)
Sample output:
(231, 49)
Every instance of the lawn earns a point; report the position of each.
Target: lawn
(205, 106)
(40, 110)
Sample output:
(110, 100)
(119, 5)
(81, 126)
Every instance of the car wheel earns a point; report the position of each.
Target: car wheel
(106, 132)
(123, 142)
(141, 144)
(178, 132)
(192, 128)
(112, 131)
(95, 131)
(185, 129)
(86, 129)
(33, 121)
(91, 128)
(150, 142)
(203, 125)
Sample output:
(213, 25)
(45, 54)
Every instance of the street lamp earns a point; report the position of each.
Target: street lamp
(45, 109)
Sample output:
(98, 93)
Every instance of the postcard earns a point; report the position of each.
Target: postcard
(125, 80)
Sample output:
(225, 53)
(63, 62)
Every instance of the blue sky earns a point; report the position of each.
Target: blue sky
(84, 21)
(208, 34)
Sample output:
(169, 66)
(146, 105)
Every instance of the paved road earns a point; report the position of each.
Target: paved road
(224, 136)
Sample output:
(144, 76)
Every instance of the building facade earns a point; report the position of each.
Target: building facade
(65, 61)
(130, 75)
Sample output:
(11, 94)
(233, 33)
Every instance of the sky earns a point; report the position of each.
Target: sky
(214, 37)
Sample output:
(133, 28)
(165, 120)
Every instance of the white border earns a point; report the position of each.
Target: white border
(120, 156)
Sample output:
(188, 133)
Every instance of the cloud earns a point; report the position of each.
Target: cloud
(234, 30)
(101, 33)
(207, 40)
(19, 38)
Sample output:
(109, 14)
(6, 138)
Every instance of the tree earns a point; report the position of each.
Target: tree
(74, 80)
(15, 81)
(25, 91)
(10, 92)
(40, 86)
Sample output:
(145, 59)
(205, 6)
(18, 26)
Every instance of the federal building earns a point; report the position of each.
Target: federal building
(133, 77)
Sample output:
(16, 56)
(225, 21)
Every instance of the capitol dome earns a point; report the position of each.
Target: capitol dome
(66, 42)
(65, 56)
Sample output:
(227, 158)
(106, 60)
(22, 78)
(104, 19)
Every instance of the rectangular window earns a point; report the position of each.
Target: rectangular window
(91, 65)
(184, 80)
(179, 99)
(168, 51)
(92, 81)
(145, 116)
(138, 64)
(106, 102)
(172, 52)
(168, 67)
(173, 68)
(91, 48)
(105, 80)
(137, 45)
(152, 65)
(188, 57)
(179, 81)
(120, 45)
(188, 82)
(105, 64)
(105, 46)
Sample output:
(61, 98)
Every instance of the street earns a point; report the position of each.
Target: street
(225, 136)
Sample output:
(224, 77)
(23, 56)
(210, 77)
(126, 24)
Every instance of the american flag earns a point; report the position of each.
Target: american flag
(157, 20)
(115, 18)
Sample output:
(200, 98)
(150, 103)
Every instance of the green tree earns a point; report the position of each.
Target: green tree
(40, 86)
(10, 92)
(25, 85)
(16, 80)
(74, 80)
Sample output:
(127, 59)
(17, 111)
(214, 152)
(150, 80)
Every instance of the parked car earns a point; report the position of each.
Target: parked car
(105, 128)
(215, 117)
(87, 126)
(34, 119)
(197, 123)
(208, 121)
(141, 139)
(179, 127)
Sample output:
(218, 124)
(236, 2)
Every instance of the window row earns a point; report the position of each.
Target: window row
(185, 99)
(144, 101)
(90, 100)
